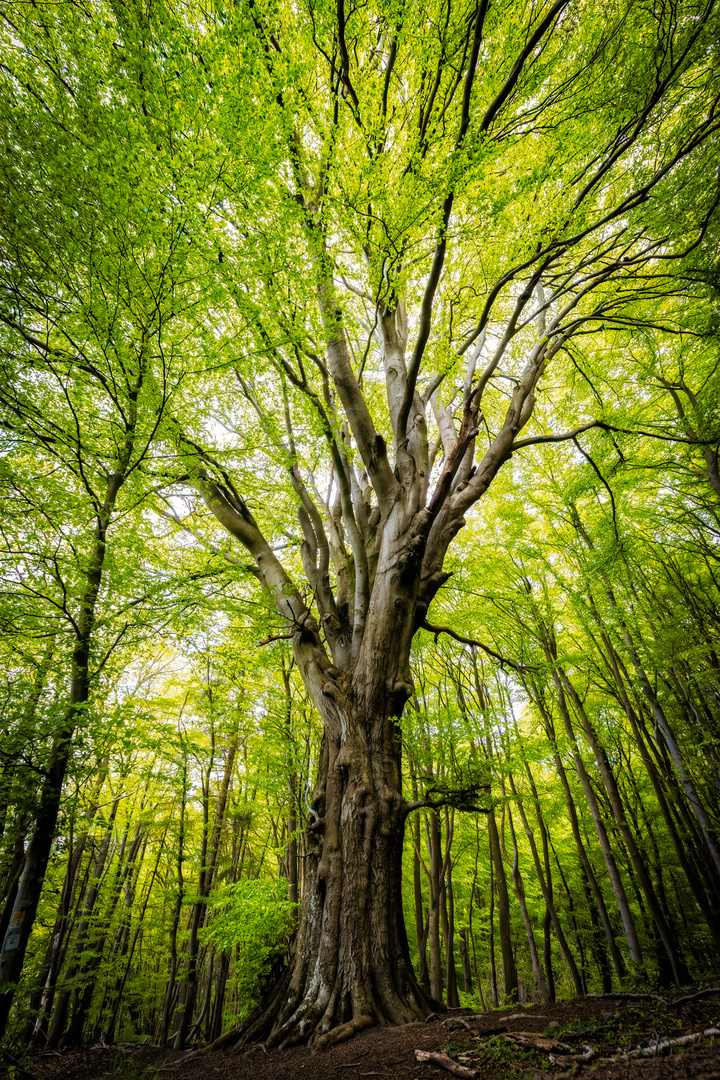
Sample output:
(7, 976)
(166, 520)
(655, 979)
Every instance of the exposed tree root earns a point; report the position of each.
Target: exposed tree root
(341, 1033)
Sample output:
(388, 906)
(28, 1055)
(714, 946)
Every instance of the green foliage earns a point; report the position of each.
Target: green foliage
(256, 918)
(166, 171)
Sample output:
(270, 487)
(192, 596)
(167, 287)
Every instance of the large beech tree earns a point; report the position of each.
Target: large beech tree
(374, 235)
(444, 196)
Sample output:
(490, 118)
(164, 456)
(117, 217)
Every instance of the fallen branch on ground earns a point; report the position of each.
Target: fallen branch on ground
(587, 1055)
(630, 997)
(431, 1057)
(664, 1044)
(537, 1041)
(456, 1020)
(693, 997)
(659, 1046)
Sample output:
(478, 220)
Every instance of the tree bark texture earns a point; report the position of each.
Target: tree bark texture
(351, 959)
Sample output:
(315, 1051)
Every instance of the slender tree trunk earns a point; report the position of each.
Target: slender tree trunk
(208, 865)
(465, 960)
(41, 999)
(291, 855)
(711, 917)
(576, 931)
(597, 943)
(615, 954)
(547, 897)
(14, 870)
(660, 718)
(124, 874)
(127, 946)
(605, 847)
(475, 899)
(59, 1016)
(680, 973)
(168, 1003)
(447, 913)
(491, 940)
(421, 928)
(15, 942)
(520, 893)
(221, 977)
(509, 968)
(436, 973)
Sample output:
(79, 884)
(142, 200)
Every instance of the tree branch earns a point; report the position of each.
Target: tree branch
(503, 660)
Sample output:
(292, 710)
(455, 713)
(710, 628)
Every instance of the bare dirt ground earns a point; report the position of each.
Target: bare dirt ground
(608, 1038)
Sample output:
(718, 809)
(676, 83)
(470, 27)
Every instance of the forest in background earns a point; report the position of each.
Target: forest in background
(162, 746)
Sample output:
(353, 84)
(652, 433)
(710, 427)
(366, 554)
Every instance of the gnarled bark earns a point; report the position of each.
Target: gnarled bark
(351, 963)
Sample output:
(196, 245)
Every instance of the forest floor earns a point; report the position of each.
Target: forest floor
(602, 1038)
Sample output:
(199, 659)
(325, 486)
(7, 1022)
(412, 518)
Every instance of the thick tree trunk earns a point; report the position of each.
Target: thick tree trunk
(351, 963)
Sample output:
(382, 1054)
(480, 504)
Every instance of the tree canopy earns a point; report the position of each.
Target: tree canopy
(359, 481)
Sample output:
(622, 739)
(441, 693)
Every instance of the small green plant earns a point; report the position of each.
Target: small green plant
(257, 917)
